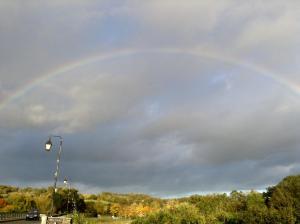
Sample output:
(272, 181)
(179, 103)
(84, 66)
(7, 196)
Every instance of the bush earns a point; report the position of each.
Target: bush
(183, 213)
(90, 209)
(78, 218)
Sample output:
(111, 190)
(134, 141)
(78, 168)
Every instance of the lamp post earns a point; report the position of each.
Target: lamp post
(68, 185)
(48, 146)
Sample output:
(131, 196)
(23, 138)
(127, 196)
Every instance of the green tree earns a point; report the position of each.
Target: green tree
(21, 202)
(256, 211)
(90, 209)
(115, 209)
(183, 213)
(67, 200)
(284, 200)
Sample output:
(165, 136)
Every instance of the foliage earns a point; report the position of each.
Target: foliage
(90, 209)
(123, 205)
(183, 213)
(20, 202)
(23, 200)
(279, 204)
(7, 189)
(2, 203)
(78, 218)
(285, 199)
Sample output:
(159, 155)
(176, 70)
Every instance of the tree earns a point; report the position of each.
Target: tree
(282, 201)
(43, 203)
(90, 209)
(67, 200)
(102, 208)
(3, 203)
(285, 198)
(256, 211)
(21, 202)
(183, 213)
(115, 209)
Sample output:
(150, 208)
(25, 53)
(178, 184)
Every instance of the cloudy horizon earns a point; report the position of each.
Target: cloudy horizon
(165, 98)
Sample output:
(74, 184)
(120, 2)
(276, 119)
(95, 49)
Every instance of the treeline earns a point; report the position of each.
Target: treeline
(13, 199)
(279, 204)
(122, 205)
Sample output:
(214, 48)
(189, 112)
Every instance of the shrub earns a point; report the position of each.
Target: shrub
(183, 213)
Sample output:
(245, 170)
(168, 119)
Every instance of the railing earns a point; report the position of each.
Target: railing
(11, 216)
(59, 220)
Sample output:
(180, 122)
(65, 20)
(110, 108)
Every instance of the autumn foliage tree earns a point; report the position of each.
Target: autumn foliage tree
(279, 204)
(2, 203)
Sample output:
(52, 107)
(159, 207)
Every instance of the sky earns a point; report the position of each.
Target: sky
(162, 97)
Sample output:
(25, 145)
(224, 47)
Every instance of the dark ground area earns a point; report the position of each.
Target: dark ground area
(23, 222)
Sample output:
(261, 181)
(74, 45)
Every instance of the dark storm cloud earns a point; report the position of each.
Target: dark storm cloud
(159, 123)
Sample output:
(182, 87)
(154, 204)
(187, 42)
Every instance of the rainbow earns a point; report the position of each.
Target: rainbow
(294, 88)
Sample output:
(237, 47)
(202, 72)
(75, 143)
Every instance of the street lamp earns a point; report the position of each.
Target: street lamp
(66, 181)
(68, 184)
(69, 187)
(48, 146)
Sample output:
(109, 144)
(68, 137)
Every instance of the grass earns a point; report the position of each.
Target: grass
(108, 220)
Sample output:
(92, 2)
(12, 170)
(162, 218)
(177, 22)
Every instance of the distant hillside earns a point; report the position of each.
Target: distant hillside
(124, 199)
(279, 204)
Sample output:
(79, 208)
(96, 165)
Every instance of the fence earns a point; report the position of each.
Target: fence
(11, 216)
(59, 220)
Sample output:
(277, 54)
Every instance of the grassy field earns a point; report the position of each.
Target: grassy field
(108, 220)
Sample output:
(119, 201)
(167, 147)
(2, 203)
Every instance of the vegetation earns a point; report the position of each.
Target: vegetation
(183, 213)
(14, 199)
(279, 204)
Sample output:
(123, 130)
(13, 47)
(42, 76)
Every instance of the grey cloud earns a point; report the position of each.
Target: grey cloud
(263, 33)
(153, 122)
